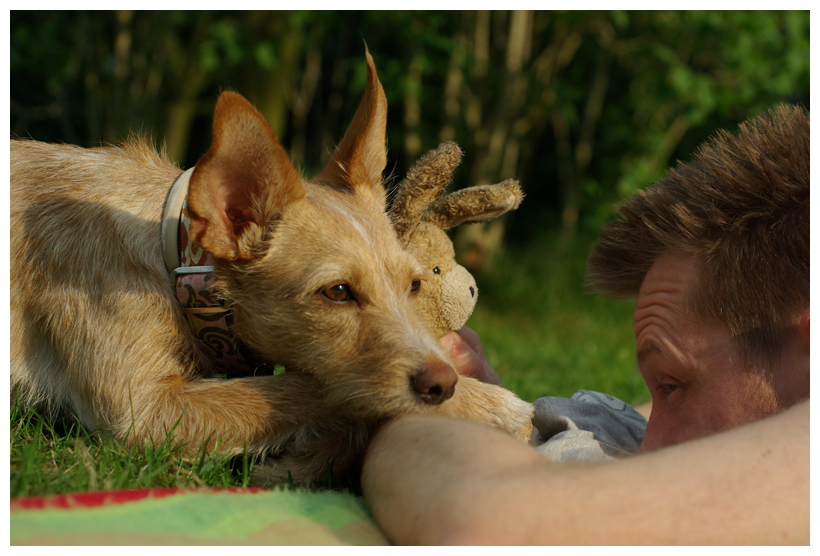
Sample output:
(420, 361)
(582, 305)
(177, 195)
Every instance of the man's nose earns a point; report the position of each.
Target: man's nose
(655, 437)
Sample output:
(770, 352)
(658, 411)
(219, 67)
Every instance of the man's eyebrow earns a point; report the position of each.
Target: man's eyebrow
(648, 347)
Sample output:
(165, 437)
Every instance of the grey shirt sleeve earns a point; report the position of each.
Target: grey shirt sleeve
(589, 426)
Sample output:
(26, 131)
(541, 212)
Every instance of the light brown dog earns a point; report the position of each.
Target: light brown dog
(316, 275)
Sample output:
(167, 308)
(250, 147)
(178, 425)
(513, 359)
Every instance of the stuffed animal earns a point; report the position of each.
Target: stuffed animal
(420, 214)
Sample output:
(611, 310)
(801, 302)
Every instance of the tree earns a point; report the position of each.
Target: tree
(582, 107)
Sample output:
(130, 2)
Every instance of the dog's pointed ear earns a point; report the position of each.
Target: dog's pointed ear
(244, 181)
(360, 158)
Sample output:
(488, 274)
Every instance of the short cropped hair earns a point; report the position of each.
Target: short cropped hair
(741, 208)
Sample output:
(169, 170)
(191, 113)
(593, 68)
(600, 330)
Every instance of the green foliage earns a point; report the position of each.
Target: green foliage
(695, 71)
(582, 107)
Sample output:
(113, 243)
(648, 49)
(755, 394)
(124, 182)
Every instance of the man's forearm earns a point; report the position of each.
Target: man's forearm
(420, 467)
(433, 480)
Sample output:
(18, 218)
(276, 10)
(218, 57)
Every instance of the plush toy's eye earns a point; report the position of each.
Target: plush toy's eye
(415, 286)
(436, 270)
(338, 293)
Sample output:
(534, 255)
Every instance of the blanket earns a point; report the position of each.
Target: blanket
(239, 516)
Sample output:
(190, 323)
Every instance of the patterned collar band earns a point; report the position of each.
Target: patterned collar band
(192, 274)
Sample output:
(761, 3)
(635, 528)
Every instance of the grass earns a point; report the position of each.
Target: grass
(57, 456)
(545, 335)
(541, 332)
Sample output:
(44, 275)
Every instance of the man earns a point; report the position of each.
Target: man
(717, 253)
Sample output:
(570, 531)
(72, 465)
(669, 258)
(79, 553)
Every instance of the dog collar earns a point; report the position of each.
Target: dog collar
(192, 274)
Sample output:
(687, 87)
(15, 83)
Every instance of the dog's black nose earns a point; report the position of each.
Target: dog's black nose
(435, 383)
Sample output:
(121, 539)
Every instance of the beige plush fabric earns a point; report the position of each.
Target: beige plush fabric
(420, 214)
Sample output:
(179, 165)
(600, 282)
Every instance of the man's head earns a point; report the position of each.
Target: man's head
(717, 253)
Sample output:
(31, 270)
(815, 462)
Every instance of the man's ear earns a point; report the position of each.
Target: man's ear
(804, 326)
(792, 381)
(244, 181)
(360, 158)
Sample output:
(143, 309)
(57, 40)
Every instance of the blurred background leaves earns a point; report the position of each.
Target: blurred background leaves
(582, 107)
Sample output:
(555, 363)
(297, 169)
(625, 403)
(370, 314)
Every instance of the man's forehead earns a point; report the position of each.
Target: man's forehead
(673, 271)
(665, 291)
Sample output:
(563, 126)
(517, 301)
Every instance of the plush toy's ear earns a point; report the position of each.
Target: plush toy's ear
(425, 181)
(474, 204)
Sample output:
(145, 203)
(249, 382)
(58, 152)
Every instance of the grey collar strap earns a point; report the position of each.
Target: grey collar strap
(170, 220)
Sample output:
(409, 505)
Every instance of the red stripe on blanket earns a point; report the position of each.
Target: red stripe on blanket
(107, 498)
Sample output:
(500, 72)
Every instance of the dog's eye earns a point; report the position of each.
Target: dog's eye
(436, 270)
(415, 285)
(338, 293)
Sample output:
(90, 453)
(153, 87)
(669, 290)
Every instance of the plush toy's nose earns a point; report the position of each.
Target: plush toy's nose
(435, 383)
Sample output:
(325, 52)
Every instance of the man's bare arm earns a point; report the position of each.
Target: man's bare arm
(432, 480)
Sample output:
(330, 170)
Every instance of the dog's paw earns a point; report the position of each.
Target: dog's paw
(520, 424)
(519, 421)
(492, 405)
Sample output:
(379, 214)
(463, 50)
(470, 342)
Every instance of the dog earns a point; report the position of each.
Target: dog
(316, 279)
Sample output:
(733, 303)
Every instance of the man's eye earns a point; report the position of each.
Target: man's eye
(667, 388)
(338, 293)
